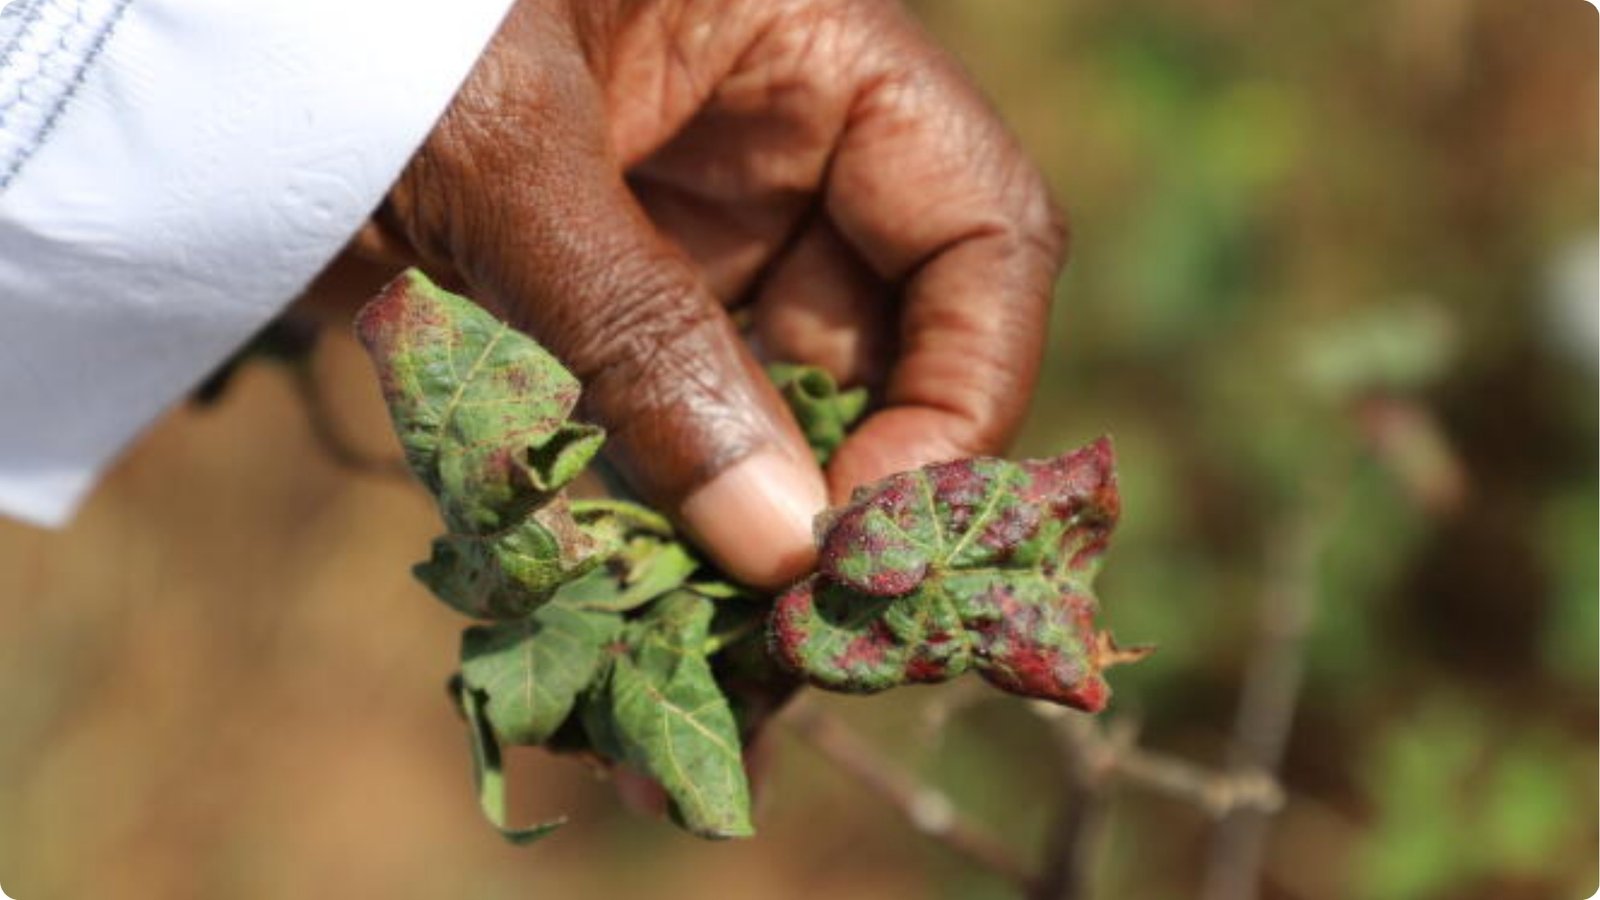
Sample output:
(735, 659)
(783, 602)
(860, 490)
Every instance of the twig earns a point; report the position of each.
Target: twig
(324, 427)
(927, 809)
(1218, 794)
(1078, 837)
(1114, 752)
(1100, 760)
(1267, 702)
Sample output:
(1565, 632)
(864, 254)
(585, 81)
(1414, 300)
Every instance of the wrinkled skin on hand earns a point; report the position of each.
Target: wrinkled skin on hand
(975, 564)
(616, 174)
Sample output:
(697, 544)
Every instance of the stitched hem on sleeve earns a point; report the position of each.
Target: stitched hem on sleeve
(46, 46)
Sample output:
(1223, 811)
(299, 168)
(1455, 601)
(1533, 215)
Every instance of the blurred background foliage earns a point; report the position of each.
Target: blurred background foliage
(1333, 284)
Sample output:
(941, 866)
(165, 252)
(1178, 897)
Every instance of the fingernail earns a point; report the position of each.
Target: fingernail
(754, 518)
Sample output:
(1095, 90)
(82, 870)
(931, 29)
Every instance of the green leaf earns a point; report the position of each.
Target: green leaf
(661, 712)
(823, 411)
(620, 518)
(482, 413)
(717, 589)
(512, 573)
(532, 671)
(648, 560)
(488, 774)
(636, 574)
(976, 564)
(480, 408)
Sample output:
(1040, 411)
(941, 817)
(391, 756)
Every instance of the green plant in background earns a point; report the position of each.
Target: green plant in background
(603, 633)
(1459, 802)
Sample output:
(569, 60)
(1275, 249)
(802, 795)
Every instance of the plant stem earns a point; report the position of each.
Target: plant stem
(1267, 703)
(926, 808)
(1098, 761)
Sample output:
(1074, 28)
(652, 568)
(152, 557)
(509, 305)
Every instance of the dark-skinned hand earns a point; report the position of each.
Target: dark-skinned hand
(623, 179)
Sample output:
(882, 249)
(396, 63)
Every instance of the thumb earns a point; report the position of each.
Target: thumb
(532, 211)
(693, 424)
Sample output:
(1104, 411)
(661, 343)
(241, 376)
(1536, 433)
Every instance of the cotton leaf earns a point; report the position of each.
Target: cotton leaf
(531, 671)
(661, 712)
(823, 411)
(488, 773)
(647, 561)
(976, 564)
(482, 413)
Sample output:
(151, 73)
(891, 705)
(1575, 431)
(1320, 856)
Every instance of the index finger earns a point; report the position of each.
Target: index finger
(936, 194)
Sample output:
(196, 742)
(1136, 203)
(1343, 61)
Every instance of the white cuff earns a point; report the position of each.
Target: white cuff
(192, 179)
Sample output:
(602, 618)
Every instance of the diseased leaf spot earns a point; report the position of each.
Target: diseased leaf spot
(976, 581)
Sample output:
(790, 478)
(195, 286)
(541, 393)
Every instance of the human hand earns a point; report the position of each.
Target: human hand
(616, 176)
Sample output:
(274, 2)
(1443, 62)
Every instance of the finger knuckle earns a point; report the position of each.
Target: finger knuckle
(1051, 227)
(1041, 221)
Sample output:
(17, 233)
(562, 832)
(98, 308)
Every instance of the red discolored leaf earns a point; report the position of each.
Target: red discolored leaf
(975, 564)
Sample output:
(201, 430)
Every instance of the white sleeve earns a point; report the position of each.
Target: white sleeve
(172, 172)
